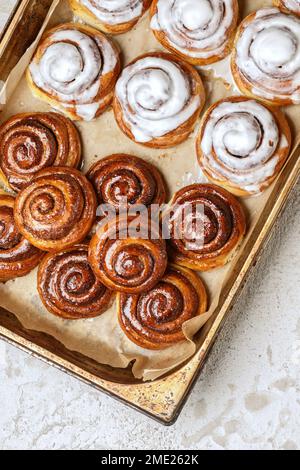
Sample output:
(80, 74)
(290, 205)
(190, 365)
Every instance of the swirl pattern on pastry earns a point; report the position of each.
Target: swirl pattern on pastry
(122, 177)
(114, 17)
(288, 5)
(127, 261)
(75, 69)
(242, 145)
(266, 57)
(31, 142)
(200, 32)
(57, 210)
(154, 319)
(17, 256)
(68, 287)
(206, 225)
(158, 99)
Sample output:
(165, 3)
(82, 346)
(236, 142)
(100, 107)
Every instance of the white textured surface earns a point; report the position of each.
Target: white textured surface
(6, 7)
(247, 397)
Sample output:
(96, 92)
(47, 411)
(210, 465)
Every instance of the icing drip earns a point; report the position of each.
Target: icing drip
(197, 29)
(114, 11)
(156, 97)
(268, 55)
(240, 143)
(293, 5)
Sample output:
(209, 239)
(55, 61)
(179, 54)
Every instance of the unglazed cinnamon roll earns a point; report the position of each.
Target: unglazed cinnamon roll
(75, 69)
(68, 287)
(31, 142)
(57, 210)
(200, 31)
(154, 319)
(288, 6)
(119, 178)
(17, 256)
(114, 17)
(242, 145)
(206, 225)
(158, 99)
(266, 59)
(126, 261)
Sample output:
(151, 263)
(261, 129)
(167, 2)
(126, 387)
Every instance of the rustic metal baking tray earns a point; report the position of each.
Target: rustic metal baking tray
(162, 399)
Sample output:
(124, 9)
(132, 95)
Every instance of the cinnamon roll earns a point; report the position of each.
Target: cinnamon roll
(17, 256)
(57, 210)
(31, 142)
(115, 17)
(206, 225)
(266, 60)
(201, 32)
(124, 178)
(75, 69)
(158, 100)
(242, 145)
(288, 6)
(125, 260)
(68, 287)
(154, 319)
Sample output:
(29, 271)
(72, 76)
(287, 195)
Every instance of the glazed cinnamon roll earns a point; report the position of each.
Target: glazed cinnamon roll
(68, 287)
(206, 225)
(119, 178)
(125, 260)
(75, 69)
(265, 59)
(242, 145)
(154, 319)
(110, 17)
(288, 6)
(57, 210)
(31, 142)
(201, 32)
(17, 256)
(158, 100)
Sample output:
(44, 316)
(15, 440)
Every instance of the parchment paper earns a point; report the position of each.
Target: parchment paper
(101, 338)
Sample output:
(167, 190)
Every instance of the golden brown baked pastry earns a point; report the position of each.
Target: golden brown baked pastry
(122, 176)
(288, 6)
(158, 100)
(126, 261)
(242, 145)
(115, 17)
(57, 210)
(31, 142)
(75, 69)
(265, 61)
(68, 287)
(154, 319)
(206, 225)
(17, 256)
(199, 32)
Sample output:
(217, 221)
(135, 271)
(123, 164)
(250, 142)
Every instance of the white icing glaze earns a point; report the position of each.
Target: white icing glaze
(221, 70)
(240, 143)
(293, 5)
(114, 12)
(71, 68)
(155, 96)
(268, 54)
(195, 28)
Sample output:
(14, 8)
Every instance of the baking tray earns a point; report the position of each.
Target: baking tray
(164, 398)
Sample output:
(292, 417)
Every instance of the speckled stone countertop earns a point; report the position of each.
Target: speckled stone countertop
(246, 398)
(6, 7)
